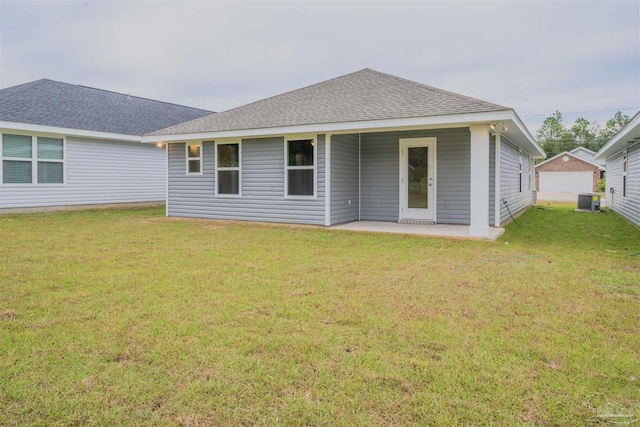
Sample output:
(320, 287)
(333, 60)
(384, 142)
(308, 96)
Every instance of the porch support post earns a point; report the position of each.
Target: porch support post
(479, 226)
(498, 202)
(327, 179)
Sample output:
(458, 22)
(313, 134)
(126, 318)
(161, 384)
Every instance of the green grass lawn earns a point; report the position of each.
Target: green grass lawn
(125, 317)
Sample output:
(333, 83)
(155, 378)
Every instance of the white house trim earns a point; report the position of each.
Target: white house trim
(479, 224)
(617, 142)
(427, 214)
(519, 133)
(327, 179)
(496, 198)
(166, 177)
(9, 127)
(218, 169)
(34, 160)
(193, 159)
(297, 137)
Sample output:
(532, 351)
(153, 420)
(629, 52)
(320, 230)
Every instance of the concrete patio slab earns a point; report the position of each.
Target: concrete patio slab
(439, 230)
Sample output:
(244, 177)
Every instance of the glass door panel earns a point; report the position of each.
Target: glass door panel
(417, 179)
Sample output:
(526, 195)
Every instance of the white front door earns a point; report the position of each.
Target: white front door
(417, 179)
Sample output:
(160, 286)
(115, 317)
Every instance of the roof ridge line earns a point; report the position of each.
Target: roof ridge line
(25, 86)
(138, 97)
(433, 88)
(38, 82)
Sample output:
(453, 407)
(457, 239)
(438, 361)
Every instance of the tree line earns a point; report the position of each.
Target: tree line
(555, 137)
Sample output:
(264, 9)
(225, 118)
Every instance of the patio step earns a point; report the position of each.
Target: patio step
(416, 221)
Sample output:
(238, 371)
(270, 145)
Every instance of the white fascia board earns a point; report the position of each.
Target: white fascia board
(534, 144)
(617, 142)
(6, 127)
(452, 120)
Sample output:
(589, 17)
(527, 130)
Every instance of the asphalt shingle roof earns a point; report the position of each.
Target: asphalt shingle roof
(51, 103)
(364, 95)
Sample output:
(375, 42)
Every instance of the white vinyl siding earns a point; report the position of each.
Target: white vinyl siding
(627, 205)
(511, 180)
(380, 162)
(345, 172)
(97, 172)
(263, 186)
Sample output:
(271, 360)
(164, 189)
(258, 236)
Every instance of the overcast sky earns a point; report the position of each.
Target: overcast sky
(580, 57)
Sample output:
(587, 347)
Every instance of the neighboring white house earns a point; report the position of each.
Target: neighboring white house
(364, 146)
(64, 145)
(564, 176)
(622, 154)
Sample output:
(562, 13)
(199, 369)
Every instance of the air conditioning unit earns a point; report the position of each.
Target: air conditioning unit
(589, 202)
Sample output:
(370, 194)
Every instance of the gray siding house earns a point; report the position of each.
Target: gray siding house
(64, 145)
(622, 154)
(364, 146)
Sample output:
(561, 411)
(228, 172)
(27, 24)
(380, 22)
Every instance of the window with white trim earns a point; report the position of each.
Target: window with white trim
(530, 172)
(30, 159)
(520, 169)
(625, 162)
(194, 158)
(228, 169)
(300, 168)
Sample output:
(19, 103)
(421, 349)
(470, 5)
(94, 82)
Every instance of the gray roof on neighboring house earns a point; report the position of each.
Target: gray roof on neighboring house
(586, 154)
(51, 103)
(359, 96)
(626, 137)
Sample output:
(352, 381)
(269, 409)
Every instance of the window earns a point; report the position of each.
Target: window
(194, 158)
(50, 160)
(29, 159)
(530, 175)
(300, 167)
(520, 169)
(228, 169)
(624, 173)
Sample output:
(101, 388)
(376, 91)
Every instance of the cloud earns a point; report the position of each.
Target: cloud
(534, 56)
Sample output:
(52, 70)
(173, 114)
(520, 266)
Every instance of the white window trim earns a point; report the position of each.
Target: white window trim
(34, 160)
(625, 170)
(238, 168)
(520, 170)
(287, 168)
(187, 158)
(530, 166)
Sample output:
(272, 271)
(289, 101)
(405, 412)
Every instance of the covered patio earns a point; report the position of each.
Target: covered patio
(437, 230)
